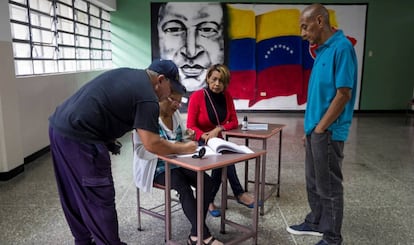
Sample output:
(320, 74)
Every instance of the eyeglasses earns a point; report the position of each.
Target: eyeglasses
(174, 102)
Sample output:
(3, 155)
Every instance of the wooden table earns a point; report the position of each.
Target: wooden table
(205, 164)
(262, 135)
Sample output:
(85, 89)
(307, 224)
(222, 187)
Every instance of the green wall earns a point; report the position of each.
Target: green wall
(387, 81)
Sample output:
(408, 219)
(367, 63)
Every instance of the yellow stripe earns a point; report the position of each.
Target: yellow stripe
(283, 22)
(332, 18)
(241, 23)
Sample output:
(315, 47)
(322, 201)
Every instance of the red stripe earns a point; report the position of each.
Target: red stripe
(242, 84)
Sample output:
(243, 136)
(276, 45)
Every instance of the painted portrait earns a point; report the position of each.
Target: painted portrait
(270, 64)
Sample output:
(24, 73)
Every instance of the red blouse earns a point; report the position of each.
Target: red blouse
(197, 115)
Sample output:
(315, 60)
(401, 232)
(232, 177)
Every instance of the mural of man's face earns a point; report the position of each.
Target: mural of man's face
(191, 34)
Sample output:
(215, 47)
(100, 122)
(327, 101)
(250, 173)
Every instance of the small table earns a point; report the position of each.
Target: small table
(263, 135)
(200, 166)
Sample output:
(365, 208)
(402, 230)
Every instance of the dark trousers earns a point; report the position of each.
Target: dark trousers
(232, 178)
(181, 180)
(323, 166)
(86, 189)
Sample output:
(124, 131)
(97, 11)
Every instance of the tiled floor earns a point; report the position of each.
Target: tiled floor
(378, 178)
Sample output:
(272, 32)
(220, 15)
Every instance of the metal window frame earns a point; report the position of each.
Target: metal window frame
(57, 32)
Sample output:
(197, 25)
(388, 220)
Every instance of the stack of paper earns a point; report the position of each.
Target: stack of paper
(257, 126)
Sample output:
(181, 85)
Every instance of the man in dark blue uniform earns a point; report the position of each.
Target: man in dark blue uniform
(83, 130)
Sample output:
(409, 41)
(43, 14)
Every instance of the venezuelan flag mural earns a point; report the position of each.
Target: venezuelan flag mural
(269, 58)
(280, 56)
(270, 64)
(242, 53)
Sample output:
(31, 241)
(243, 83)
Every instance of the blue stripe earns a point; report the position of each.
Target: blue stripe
(242, 54)
(286, 50)
(307, 60)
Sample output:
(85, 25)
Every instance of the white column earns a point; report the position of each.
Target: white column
(11, 155)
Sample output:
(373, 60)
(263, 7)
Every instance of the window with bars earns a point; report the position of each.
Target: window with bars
(51, 36)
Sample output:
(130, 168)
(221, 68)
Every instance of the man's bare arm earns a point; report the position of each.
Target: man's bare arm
(157, 145)
(343, 95)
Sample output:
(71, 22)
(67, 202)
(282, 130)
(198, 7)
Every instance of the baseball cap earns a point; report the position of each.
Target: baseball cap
(170, 71)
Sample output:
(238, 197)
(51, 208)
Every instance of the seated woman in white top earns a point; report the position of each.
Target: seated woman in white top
(148, 168)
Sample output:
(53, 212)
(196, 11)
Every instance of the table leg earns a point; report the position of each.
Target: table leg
(256, 199)
(200, 206)
(279, 163)
(263, 179)
(246, 169)
(223, 199)
(167, 203)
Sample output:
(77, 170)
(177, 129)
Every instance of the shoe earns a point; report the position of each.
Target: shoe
(322, 242)
(192, 242)
(303, 229)
(215, 212)
(211, 241)
(251, 205)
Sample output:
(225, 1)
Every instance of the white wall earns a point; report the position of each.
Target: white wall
(27, 102)
(10, 136)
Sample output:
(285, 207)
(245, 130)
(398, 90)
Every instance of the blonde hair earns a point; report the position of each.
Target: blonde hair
(223, 70)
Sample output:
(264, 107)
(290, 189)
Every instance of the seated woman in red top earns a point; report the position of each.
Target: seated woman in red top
(210, 111)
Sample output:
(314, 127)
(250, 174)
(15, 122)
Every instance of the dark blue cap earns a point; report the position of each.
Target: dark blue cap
(170, 71)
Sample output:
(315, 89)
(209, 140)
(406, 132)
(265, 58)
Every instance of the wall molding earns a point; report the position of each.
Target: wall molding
(5, 176)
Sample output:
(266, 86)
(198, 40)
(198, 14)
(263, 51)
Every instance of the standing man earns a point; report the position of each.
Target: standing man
(84, 129)
(328, 116)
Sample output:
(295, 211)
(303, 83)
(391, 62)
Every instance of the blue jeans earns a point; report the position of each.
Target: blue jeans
(323, 167)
